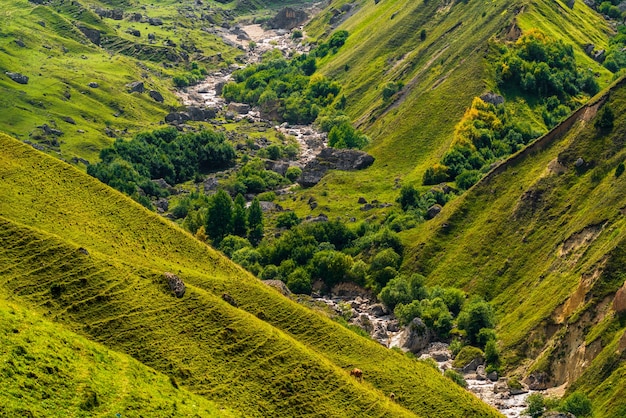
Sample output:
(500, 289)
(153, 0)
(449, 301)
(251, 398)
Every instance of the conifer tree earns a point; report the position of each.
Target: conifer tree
(240, 217)
(255, 222)
(219, 215)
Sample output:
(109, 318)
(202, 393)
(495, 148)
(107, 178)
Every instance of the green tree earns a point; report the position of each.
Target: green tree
(331, 266)
(409, 197)
(219, 216)
(299, 281)
(240, 217)
(255, 222)
(476, 315)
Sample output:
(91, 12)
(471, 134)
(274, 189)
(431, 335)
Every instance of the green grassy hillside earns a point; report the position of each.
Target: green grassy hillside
(543, 238)
(441, 75)
(49, 371)
(266, 357)
(45, 44)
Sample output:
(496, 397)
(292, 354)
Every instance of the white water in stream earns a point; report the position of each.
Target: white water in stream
(382, 326)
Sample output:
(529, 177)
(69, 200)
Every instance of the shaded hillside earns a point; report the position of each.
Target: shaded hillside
(92, 260)
(439, 76)
(50, 371)
(542, 237)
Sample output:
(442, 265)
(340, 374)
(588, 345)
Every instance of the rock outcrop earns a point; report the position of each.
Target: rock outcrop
(278, 285)
(333, 159)
(176, 284)
(287, 18)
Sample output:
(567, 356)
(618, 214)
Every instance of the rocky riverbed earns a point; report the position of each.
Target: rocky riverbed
(383, 327)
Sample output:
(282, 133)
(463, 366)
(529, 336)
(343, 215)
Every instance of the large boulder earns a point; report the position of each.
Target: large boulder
(241, 108)
(278, 285)
(193, 113)
(176, 284)
(287, 18)
(92, 34)
(333, 159)
(416, 336)
(136, 87)
(156, 96)
(17, 77)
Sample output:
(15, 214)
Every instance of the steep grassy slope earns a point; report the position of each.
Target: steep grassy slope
(441, 75)
(50, 371)
(268, 357)
(45, 44)
(543, 237)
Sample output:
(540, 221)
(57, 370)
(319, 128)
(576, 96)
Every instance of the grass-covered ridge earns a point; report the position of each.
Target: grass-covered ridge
(269, 356)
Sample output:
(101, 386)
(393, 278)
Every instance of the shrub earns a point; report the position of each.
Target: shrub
(619, 170)
(232, 243)
(287, 220)
(330, 266)
(578, 404)
(293, 173)
(402, 289)
(299, 281)
(407, 312)
(605, 119)
(436, 174)
(456, 377)
(466, 355)
(467, 179)
(535, 405)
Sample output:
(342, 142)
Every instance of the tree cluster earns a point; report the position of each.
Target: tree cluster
(161, 154)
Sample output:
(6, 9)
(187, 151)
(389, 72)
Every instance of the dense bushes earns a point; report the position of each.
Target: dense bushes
(194, 76)
(162, 154)
(615, 58)
(536, 68)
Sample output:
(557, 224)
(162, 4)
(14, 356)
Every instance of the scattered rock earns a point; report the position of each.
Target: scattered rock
(362, 200)
(134, 32)
(472, 366)
(92, 34)
(320, 218)
(378, 310)
(83, 251)
(156, 96)
(433, 211)
(493, 376)
(69, 120)
(279, 285)
(241, 108)
(17, 77)
(440, 356)
(480, 372)
(229, 299)
(176, 284)
(162, 205)
(50, 131)
(192, 113)
(19, 43)
(136, 87)
(579, 162)
(155, 21)
(337, 159)
(279, 167)
(93, 85)
(492, 98)
(270, 206)
(210, 184)
(501, 386)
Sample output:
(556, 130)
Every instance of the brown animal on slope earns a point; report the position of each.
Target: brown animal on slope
(358, 373)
